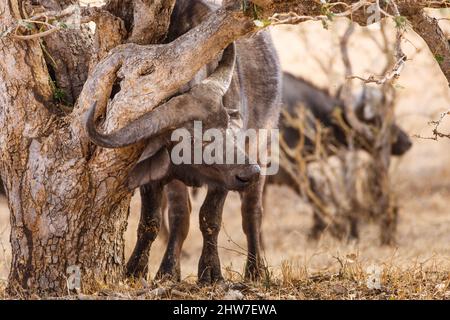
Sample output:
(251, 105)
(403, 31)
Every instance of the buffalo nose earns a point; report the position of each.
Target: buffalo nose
(249, 175)
(401, 147)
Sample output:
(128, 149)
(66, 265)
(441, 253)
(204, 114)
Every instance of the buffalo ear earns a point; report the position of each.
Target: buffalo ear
(153, 146)
(149, 169)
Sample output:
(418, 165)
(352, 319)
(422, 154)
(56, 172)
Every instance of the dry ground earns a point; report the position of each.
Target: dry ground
(417, 267)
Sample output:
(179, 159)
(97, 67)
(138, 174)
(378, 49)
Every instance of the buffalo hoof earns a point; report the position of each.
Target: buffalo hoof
(209, 271)
(169, 270)
(137, 268)
(253, 270)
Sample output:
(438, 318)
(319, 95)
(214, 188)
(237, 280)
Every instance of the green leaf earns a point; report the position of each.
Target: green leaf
(400, 22)
(27, 25)
(325, 10)
(439, 58)
(262, 23)
(59, 94)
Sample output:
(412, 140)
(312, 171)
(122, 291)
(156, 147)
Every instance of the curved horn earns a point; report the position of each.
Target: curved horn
(166, 116)
(150, 124)
(222, 76)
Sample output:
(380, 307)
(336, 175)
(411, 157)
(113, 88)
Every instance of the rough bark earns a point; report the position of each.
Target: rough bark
(136, 15)
(61, 214)
(68, 53)
(428, 28)
(150, 10)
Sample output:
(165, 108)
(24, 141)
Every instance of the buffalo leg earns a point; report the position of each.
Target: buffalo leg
(319, 226)
(210, 223)
(179, 205)
(251, 224)
(354, 228)
(389, 226)
(164, 229)
(149, 224)
(264, 202)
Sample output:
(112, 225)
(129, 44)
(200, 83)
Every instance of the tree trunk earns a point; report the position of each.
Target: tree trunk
(68, 209)
(73, 230)
(61, 214)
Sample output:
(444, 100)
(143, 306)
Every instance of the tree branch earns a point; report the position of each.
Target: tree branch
(428, 29)
(148, 28)
(149, 75)
(293, 12)
(143, 18)
(22, 67)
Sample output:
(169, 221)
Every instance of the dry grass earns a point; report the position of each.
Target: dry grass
(418, 267)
